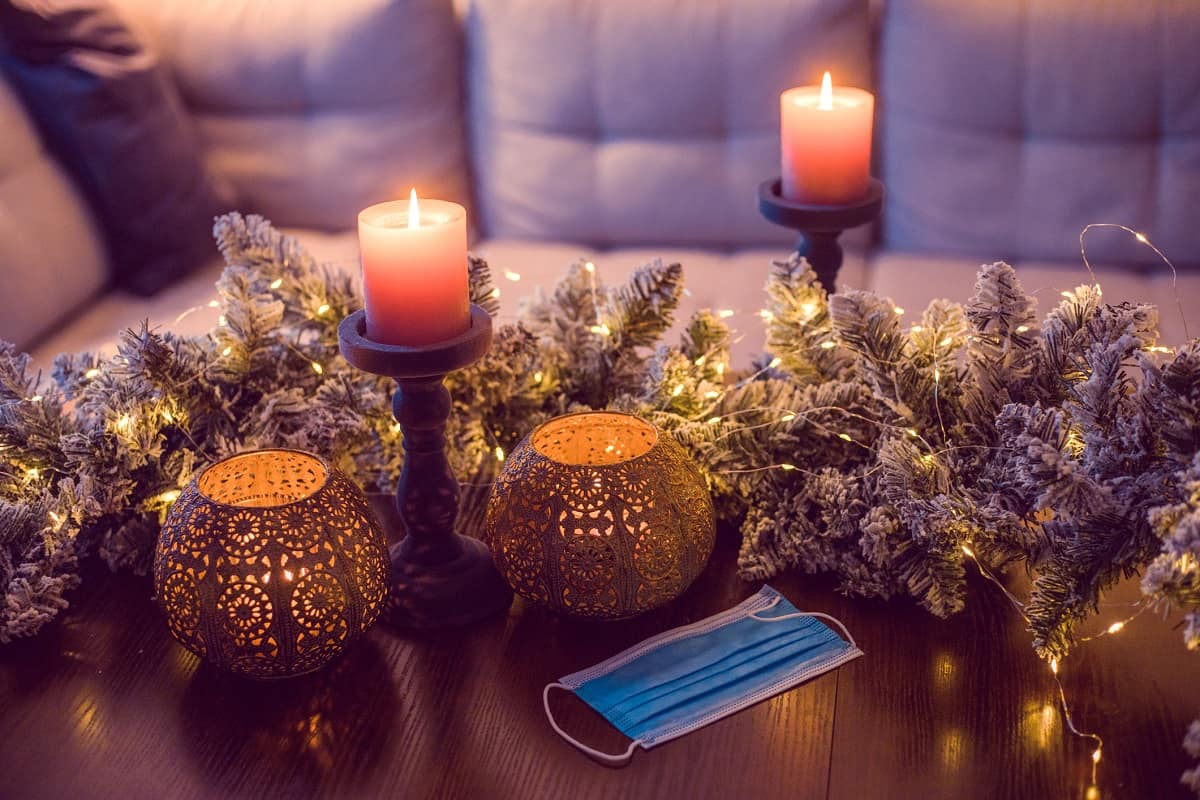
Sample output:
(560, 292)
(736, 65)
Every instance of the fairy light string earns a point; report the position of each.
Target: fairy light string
(710, 419)
(1142, 239)
(710, 363)
(987, 573)
(932, 455)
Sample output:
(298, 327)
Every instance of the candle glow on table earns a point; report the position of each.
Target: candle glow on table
(414, 269)
(825, 142)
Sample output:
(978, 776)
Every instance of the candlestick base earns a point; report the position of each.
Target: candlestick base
(459, 590)
(819, 225)
(463, 590)
(440, 579)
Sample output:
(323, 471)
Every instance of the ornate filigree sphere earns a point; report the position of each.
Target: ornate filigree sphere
(270, 563)
(598, 515)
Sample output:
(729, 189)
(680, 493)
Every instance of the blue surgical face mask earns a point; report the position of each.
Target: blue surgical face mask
(688, 677)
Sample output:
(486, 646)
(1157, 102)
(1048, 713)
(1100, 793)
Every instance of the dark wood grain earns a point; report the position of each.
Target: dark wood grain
(964, 708)
(104, 704)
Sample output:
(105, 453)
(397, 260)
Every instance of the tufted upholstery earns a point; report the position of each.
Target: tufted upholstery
(51, 254)
(1008, 126)
(623, 130)
(629, 121)
(315, 109)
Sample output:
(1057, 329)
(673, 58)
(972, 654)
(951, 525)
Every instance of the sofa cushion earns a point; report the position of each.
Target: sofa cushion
(911, 280)
(115, 120)
(1006, 127)
(643, 121)
(52, 255)
(715, 280)
(316, 109)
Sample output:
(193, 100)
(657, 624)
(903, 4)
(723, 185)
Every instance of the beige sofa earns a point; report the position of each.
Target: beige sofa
(625, 131)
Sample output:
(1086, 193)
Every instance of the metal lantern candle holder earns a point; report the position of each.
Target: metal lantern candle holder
(270, 563)
(820, 225)
(439, 578)
(599, 515)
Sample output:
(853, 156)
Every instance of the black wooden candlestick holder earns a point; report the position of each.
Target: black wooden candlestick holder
(819, 226)
(439, 578)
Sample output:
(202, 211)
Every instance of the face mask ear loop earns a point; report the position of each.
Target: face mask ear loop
(834, 620)
(615, 760)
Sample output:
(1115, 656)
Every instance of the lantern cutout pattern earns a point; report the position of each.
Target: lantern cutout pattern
(270, 563)
(597, 515)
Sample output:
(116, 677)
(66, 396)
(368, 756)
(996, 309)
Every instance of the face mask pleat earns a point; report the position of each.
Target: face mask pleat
(678, 659)
(673, 665)
(680, 704)
(685, 675)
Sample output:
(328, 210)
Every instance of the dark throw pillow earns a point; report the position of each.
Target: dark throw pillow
(114, 119)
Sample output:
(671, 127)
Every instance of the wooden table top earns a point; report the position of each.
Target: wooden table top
(103, 703)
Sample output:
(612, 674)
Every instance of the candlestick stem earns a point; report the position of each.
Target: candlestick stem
(427, 493)
(439, 577)
(824, 253)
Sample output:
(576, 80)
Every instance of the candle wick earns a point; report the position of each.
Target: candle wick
(414, 210)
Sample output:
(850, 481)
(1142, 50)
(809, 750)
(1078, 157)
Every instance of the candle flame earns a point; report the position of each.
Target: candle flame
(414, 210)
(825, 103)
